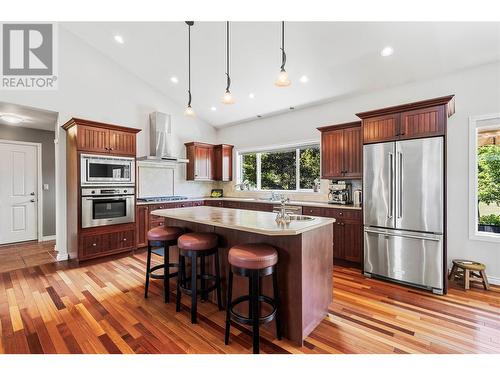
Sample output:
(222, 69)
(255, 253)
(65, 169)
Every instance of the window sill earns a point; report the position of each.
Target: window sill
(486, 237)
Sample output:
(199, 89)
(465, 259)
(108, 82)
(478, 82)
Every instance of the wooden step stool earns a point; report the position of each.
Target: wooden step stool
(469, 270)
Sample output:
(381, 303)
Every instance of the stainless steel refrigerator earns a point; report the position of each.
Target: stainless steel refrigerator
(403, 194)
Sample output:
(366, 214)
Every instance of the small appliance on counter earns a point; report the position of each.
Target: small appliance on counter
(216, 193)
(357, 199)
(340, 193)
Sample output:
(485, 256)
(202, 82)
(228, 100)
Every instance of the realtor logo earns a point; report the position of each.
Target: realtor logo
(28, 56)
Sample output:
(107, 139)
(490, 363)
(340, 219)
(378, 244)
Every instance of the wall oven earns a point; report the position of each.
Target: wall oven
(106, 170)
(107, 206)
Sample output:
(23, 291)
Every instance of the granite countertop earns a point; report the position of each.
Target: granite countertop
(244, 220)
(254, 200)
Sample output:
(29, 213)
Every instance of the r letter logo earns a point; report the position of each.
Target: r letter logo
(28, 56)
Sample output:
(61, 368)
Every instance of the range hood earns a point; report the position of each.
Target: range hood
(161, 140)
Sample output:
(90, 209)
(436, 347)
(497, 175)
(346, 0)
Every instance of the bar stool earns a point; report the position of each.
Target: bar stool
(194, 246)
(168, 237)
(253, 261)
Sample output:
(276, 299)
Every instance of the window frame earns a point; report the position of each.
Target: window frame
(474, 126)
(276, 148)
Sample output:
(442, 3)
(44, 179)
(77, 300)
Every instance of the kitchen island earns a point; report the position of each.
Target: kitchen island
(304, 266)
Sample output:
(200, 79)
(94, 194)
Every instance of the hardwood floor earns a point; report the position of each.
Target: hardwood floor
(100, 308)
(26, 254)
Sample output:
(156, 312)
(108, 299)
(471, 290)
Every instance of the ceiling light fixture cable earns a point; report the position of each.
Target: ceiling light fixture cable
(283, 79)
(189, 111)
(227, 98)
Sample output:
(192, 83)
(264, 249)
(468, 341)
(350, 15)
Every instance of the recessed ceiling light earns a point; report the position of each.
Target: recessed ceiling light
(259, 116)
(304, 79)
(291, 108)
(213, 109)
(11, 119)
(251, 95)
(387, 51)
(174, 79)
(119, 39)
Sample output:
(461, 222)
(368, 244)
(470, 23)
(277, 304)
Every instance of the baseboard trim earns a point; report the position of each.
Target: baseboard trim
(493, 280)
(48, 238)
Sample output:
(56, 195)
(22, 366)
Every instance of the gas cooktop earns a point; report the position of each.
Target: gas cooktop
(167, 198)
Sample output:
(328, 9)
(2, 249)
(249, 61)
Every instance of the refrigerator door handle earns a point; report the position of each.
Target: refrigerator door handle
(400, 186)
(391, 186)
(402, 235)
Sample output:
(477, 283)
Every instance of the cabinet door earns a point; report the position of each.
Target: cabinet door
(226, 163)
(122, 143)
(338, 240)
(352, 147)
(93, 245)
(381, 129)
(92, 139)
(331, 154)
(203, 163)
(142, 226)
(353, 234)
(422, 123)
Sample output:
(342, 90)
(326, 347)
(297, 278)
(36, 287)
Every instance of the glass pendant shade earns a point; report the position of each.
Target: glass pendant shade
(228, 98)
(189, 111)
(283, 80)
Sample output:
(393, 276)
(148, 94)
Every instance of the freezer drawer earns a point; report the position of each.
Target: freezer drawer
(409, 257)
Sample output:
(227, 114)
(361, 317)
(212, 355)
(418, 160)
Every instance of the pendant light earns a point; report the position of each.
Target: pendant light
(227, 98)
(283, 79)
(189, 110)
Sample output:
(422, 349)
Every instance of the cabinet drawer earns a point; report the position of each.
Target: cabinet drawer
(312, 211)
(94, 244)
(354, 215)
(233, 204)
(213, 203)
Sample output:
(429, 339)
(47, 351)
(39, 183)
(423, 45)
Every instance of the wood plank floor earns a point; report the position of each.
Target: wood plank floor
(26, 254)
(99, 308)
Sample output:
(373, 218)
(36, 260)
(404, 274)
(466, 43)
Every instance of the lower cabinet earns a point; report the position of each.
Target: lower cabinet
(107, 241)
(142, 225)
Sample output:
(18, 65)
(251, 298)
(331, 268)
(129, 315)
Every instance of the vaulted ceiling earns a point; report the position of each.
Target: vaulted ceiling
(339, 59)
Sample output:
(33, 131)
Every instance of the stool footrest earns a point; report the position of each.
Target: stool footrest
(185, 286)
(246, 319)
(161, 267)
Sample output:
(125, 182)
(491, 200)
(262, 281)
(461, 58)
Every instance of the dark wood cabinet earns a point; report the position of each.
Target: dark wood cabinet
(85, 136)
(201, 161)
(122, 142)
(100, 138)
(209, 162)
(142, 225)
(341, 151)
(381, 129)
(223, 162)
(425, 122)
(407, 121)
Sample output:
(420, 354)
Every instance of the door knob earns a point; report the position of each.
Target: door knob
(32, 200)
(32, 193)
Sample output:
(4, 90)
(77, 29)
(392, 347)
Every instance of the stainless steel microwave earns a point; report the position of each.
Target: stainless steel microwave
(106, 170)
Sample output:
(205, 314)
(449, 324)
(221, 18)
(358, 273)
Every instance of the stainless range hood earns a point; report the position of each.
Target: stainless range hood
(161, 140)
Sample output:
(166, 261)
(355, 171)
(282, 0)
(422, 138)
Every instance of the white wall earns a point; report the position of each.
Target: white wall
(477, 92)
(93, 87)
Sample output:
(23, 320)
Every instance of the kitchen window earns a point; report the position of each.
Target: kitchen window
(484, 183)
(288, 168)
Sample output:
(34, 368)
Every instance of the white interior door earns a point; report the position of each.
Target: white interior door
(18, 192)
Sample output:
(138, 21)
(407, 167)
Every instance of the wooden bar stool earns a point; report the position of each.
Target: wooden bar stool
(197, 246)
(166, 236)
(253, 261)
(469, 270)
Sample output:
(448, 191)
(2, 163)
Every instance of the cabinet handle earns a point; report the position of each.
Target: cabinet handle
(124, 239)
(94, 244)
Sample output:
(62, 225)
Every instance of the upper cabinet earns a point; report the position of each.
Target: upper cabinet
(223, 161)
(341, 151)
(415, 120)
(96, 137)
(209, 162)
